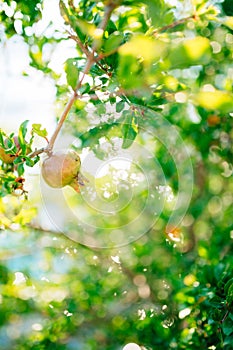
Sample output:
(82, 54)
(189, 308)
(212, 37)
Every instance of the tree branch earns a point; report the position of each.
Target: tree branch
(61, 121)
(89, 63)
(37, 152)
(61, 235)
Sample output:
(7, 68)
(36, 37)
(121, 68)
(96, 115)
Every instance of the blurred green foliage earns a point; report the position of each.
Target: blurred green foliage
(171, 290)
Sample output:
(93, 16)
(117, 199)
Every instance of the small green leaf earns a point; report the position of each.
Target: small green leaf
(29, 161)
(228, 285)
(189, 52)
(21, 136)
(20, 169)
(120, 106)
(36, 128)
(72, 72)
(89, 28)
(19, 160)
(23, 128)
(101, 109)
(113, 42)
(112, 99)
(227, 326)
(9, 145)
(129, 129)
(104, 80)
(85, 88)
(228, 341)
(92, 136)
(146, 48)
(229, 297)
(1, 138)
(159, 12)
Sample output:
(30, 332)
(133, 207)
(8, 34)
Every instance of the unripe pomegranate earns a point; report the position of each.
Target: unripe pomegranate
(7, 157)
(61, 169)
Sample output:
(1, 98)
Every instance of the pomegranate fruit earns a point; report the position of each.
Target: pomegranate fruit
(61, 169)
(6, 157)
(9, 157)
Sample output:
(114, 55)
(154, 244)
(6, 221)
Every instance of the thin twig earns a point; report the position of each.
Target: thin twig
(82, 47)
(107, 54)
(107, 14)
(86, 51)
(174, 24)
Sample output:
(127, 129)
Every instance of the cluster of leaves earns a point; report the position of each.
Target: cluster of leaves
(215, 296)
(27, 13)
(16, 153)
(138, 63)
(151, 295)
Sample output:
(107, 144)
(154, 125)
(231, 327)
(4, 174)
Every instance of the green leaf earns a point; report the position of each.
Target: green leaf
(23, 128)
(36, 128)
(21, 136)
(89, 28)
(20, 169)
(129, 129)
(92, 136)
(19, 159)
(227, 326)
(113, 42)
(228, 285)
(130, 72)
(112, 99)
(104, 80)
(101, 108)
(85, 88)
(189, 52)
(228, 341)
(1, 138)
(228, 21)
(159, 12)
(229, 297)
(146, 48)
(138, 61)
(29, 162)
(72, 72)
(120, 106)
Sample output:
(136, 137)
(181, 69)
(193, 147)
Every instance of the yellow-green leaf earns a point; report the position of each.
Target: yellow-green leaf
(215, 100)
(143, 47)
(189, 52)
(113, 42)
(228, 22)
(72, 72)
(36, 128)
(129, 129)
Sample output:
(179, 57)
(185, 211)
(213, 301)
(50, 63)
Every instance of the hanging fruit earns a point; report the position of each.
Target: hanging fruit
(62, 169)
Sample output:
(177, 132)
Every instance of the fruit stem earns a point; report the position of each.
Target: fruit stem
(60, 123)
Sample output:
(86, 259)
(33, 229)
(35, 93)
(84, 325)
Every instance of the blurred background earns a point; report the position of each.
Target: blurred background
(109, 269)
